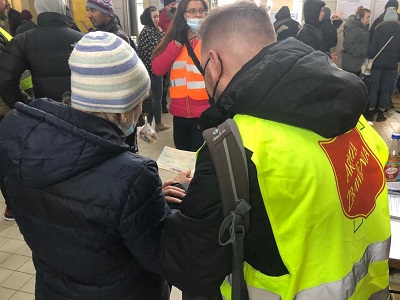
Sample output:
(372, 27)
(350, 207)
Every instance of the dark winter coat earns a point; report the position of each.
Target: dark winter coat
(312, 36)
(90, 210)
(355, 44)
(284, 25)
(113, 27)
(286, 82)
(25, 26)
(148, 40)
(377, 21)
(44, 51)
(390, 56)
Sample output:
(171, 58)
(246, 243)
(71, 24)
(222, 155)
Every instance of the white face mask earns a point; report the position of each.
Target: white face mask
(194, 24)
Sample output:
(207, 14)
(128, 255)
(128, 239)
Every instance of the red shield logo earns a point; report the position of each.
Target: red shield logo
(358, 173)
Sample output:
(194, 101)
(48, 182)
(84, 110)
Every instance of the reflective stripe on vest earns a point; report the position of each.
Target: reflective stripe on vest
(328, 211)
(186, 79)
(5, 34)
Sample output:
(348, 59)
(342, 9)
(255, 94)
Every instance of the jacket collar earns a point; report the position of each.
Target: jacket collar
(52, 19)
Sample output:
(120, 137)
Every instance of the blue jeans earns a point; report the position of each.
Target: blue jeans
(156, 91)
(381, 80)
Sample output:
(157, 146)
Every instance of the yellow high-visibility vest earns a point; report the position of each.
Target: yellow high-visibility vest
(327, 203)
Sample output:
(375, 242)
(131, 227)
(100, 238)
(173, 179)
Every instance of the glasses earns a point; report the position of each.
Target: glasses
(194, 11)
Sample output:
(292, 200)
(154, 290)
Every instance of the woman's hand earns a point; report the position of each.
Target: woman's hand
(172, 194)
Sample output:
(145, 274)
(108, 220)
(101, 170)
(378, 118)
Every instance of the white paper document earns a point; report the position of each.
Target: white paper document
(393, 186)
(394, 206)
(175, 160)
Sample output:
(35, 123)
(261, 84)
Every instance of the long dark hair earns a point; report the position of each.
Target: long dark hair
(171, 32)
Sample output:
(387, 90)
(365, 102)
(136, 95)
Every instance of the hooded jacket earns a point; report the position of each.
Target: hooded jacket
(390, 56)
(355, 44)
(327, 101)
(90, 210)
(44, 51)
(284, 25)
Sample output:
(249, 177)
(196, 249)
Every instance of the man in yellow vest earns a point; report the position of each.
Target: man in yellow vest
(319, 219)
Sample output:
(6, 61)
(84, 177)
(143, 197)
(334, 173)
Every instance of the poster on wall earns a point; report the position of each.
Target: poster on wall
(349, 7)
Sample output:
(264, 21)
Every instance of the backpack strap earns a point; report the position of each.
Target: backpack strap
(229, 158)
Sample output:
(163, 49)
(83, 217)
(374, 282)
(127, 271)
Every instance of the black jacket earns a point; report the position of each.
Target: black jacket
(89, 209)
(44, 51)
(390, 56)
(25, 26)
(284, 25)
(286, 82)
(377, 21)
(148, 40)
(113, 27)
(312, 36)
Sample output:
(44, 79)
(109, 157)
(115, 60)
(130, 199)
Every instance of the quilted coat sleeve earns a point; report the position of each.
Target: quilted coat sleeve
(142, 218)
(13, 64)
(191, 256)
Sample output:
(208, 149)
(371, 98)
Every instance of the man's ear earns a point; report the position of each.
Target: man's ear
(214, 65)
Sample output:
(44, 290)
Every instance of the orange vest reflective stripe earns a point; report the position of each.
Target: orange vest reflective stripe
(186, 79)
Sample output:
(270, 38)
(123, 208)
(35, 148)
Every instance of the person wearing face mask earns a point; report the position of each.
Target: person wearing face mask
(167, 14)
(89, 208)
(179, 52)
(149, 37)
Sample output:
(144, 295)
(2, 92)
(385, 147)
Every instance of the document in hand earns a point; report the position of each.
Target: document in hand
(175, 160)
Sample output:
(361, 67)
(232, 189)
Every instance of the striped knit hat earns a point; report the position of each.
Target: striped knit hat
(106, 74)
(104, 6)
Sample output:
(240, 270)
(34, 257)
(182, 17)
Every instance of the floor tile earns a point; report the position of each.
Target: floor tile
(14, 262)
(4, 256)
(28, 267)
(24, 250)
(6, 294)
(4, 274)
(22, 296)
(10, 232)
(16, 280)
(29, 287)
(12, 246)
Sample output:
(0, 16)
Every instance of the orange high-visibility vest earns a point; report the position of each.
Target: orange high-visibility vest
(186, 79)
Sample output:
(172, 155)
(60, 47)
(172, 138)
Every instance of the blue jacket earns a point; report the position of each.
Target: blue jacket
(90, 210)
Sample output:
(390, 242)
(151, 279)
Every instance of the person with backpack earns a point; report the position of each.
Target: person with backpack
(319, 218)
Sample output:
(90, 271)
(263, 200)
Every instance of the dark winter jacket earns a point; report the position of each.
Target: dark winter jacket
(148, 40)
(377, 21)
(355, 44)
(287, 82)
(90, 210)
(25, 26)
(312, 36)
(390, 56)
(113, 27)
(44, 51)
(284, 25)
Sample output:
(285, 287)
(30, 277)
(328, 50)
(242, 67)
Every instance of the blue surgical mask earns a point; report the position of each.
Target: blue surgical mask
(127, 131)
(194, 24)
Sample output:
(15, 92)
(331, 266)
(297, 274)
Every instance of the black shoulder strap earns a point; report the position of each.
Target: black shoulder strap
(194, 57)
(229, 158)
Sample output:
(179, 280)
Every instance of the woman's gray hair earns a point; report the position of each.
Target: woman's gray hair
(56, 6)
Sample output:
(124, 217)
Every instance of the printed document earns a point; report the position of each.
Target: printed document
(176, 161)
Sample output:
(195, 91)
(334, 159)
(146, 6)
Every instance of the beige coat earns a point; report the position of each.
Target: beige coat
(339, 46)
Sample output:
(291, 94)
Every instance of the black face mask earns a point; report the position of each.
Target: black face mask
(172, 10)
(337, 23)
(211, 99)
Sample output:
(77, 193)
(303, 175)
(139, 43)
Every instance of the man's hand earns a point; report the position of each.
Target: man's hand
(183, 177)
(173, 194)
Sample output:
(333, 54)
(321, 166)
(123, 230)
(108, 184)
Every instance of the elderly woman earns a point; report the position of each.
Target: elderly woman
(90, 210)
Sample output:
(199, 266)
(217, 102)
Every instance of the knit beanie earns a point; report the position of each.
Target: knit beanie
(338, 14)
(311, 10)
(104, 6)
(106, 74)
(390, 15)
(167, 2)
(26, 15)
(56, 6)
(392, 3)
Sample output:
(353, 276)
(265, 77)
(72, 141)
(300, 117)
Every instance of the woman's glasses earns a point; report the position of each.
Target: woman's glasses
(194, 11)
